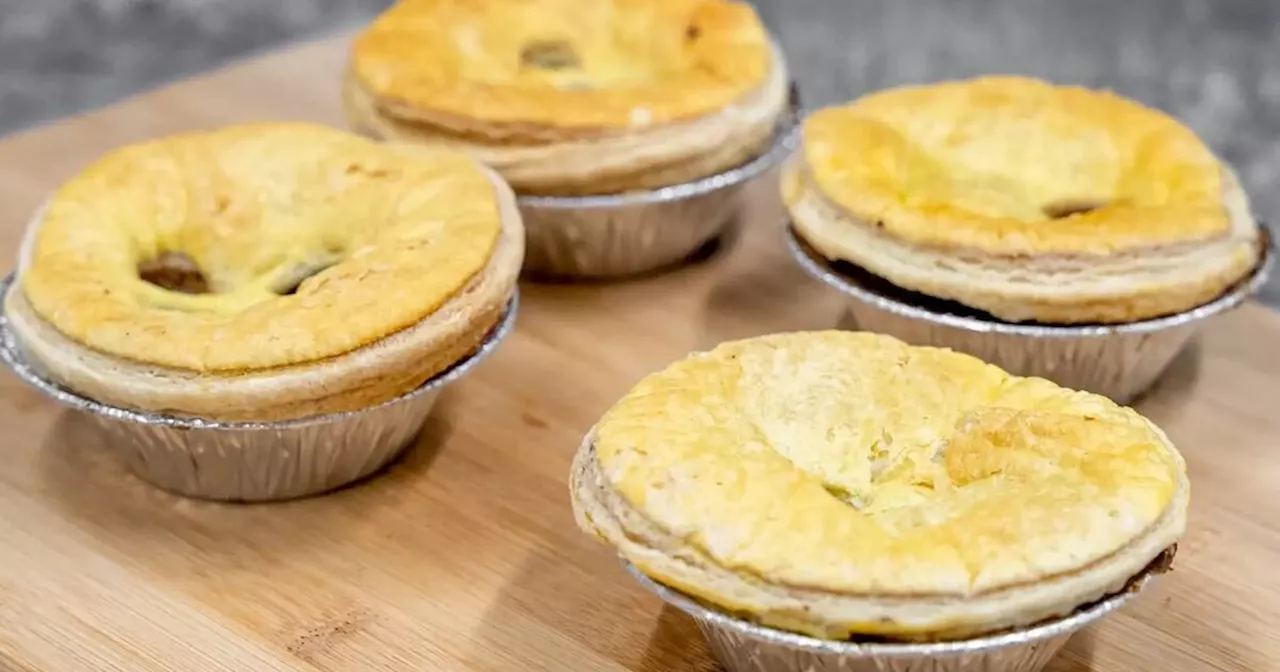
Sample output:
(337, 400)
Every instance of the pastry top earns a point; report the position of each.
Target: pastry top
(602, 66)
(1016, 166)
(310, 242)
(852, 463)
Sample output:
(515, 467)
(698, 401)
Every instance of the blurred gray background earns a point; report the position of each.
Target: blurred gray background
(1214, 63)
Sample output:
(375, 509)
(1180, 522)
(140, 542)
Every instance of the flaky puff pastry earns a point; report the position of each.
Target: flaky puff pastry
(340, 273)
(841, 484)
(1025, 200)
(565, 97)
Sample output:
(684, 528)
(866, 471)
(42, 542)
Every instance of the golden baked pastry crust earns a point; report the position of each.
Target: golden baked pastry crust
(839, 483)
(562, 63)
(255, 206)
(647, 157)
(636, 95)
(420, 254)
(965, 190)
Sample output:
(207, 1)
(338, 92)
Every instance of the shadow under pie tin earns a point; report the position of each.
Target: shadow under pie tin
(613, 235)
(257, 461)
(742, 646)
(1119, 361)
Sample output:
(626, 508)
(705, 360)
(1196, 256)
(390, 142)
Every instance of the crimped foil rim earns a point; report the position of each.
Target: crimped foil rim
(786, 134)
(1231, 299)
(982, 644)
(10, 354)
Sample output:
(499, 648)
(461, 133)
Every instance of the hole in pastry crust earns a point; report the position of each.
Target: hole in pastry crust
(221, 204)
(550, 55)
(692, 32)
(843, 495)
(847, 497)
(174, 271)
(357, 169)
(1068, 207)
(289, 283)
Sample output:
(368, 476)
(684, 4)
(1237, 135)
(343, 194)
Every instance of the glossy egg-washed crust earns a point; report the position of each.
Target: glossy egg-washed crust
(405, 261)
(838, 484)
(613, 63)
(965, 190)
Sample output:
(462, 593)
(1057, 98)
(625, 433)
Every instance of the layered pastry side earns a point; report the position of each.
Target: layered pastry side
(571, 98)
(844, 484)
(264, 272)
(1029, 201)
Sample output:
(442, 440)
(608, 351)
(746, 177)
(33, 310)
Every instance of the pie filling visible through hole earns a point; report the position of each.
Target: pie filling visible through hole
(1070, 206)
(178, 272)
(550, 55)
(174, 271)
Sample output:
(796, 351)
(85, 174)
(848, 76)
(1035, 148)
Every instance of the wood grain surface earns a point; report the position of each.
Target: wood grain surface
(464, 555)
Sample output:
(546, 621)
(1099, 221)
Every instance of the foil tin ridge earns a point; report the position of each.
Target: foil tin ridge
(742, 646)
(615, 235)
(1119, 361)
(257, 461)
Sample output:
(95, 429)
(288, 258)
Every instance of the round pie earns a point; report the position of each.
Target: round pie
(842, 484)
(1028, 201)
(565, 97)
(264, 272)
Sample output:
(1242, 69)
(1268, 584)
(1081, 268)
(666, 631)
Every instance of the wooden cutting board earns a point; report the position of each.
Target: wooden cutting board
(464, 556)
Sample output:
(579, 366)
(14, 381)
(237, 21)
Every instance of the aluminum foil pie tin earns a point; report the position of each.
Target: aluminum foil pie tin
(1119, 361)
(614, 235)
(257, 461)
(743, 646)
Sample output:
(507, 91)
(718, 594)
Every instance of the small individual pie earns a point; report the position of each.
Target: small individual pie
(1028, 201)
(264, 272)
(846, 484)
(569, 97)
